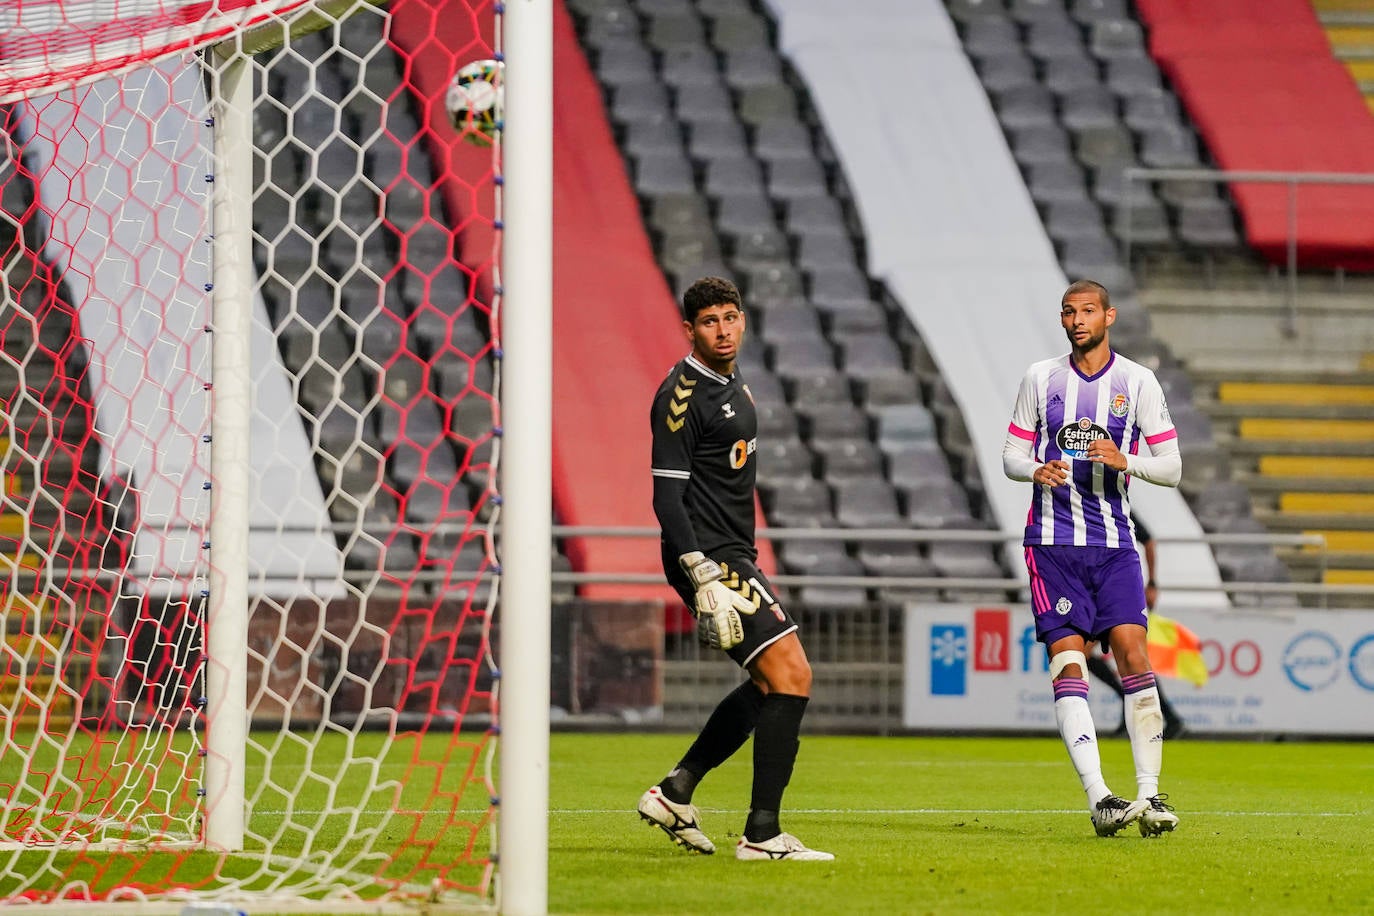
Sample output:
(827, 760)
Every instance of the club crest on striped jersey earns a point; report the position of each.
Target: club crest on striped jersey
(1073, 440)
(1120, 406)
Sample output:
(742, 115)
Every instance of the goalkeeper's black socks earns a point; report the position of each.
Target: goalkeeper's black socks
(762, 825)
(724, 733)
(775, 753)
(679, 785)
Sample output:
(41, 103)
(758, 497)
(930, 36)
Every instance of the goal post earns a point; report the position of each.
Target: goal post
(231, 330)
(273, 459)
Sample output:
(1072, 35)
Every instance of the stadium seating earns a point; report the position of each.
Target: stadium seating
(835, 370)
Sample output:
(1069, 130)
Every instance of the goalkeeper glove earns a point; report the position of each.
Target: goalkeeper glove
(717, 605)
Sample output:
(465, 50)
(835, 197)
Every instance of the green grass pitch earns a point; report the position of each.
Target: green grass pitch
(918, 825)
(972, 825)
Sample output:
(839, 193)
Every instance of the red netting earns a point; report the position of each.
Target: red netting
(375, 433)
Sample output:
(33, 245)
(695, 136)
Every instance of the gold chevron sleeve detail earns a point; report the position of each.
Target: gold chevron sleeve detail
(683, 393)
(677, 409)
(674, 425)
(686, 382)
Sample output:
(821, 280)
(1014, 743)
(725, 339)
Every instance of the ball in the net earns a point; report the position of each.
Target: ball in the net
(475, 101)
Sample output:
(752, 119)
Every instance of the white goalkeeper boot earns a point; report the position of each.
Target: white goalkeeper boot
(782, 846)
(1158, 817)
(1114, 812)
(679, 821)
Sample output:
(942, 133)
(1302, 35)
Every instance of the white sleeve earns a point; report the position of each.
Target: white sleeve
(1164, 464)
(1018, 450)
(1018, 462)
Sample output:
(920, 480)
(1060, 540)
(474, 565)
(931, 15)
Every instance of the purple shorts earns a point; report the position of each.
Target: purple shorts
(1084, 590)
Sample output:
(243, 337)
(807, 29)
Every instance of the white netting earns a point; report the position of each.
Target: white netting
(374, 421)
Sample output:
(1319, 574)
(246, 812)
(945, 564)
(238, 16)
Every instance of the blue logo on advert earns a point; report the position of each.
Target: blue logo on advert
(948, 660)
(1312, 661)
(1362, 662)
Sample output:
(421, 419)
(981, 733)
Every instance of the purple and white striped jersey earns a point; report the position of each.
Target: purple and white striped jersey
(1060, 412)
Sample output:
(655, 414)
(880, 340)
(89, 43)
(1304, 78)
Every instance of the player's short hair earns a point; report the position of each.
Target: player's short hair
(1088, 286)
(706, 292)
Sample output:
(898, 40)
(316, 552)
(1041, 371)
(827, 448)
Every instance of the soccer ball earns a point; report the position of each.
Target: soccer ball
(476, 101)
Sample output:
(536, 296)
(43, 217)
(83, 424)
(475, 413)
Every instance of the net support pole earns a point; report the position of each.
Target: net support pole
(527, 384)
(231, 322)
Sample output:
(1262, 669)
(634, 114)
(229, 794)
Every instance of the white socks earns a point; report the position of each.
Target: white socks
(1079, 733)
(1145, 725)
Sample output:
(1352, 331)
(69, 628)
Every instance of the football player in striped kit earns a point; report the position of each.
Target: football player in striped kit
(704, 468)
(1076, 433)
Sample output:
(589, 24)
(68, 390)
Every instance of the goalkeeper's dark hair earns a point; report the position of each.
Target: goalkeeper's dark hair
(706, 292)
(1088, 286)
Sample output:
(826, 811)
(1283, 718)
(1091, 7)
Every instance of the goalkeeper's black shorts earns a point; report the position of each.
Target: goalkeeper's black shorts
(769, 622)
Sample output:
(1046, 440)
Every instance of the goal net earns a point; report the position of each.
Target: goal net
(338, 750)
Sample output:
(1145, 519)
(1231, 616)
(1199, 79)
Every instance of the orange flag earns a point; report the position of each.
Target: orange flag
(1175, 650)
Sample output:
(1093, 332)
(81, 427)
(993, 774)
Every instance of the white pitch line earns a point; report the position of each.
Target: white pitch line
(971, 811)
(590, 812)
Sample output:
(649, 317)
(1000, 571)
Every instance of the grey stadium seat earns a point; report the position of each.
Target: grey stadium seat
(754, 67)
(782, 138)
(1004, 71)
(1100, 146)
(1208, 225)
(849, 459)
(1067, 221)
(728, 177)
(894, 558)
(669, 173)
(1039, 144)
(834, 421)
(1057, 182)
(1050, 38)
(901, 425)
(1152, 108)
(935, 504)
(675, 30)
(1128, 76)
(803, 356)
(970, 10)
(918, 465)
(1070, 74)
(800, 557)
(1169, 148)
(964, 560)
(745, 213)
(1089, 11)
(1025, 106)
(1115, 38)
(803, 502)
(872, 354)
(1028, 11)
(991, 35)
(820, 388)
(885, 390)
(717, 140)
(866, 503)
(1087, 107)
(781, 459)
(1222, 503)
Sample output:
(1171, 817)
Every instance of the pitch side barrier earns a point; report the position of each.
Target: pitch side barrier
(894, 654)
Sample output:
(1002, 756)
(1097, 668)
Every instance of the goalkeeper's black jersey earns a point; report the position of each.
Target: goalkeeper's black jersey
(704, 429)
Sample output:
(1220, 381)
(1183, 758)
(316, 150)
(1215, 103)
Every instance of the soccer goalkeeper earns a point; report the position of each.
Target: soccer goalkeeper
(703, 465)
